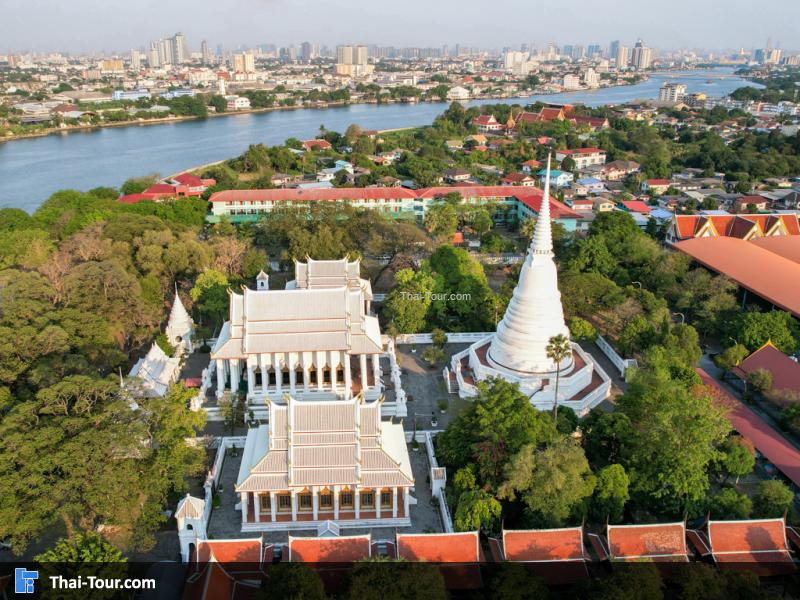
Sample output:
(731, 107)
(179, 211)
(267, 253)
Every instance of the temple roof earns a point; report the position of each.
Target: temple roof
(344, 549)
(324, 443)
(190, 507)
(156, 371)
(659, 542)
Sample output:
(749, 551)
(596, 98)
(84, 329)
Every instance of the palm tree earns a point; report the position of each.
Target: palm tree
(558, 349)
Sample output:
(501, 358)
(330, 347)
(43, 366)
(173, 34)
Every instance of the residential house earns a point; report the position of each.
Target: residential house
(487, 124)
(457, 175)
(583, 157)
(317, 144)
(588, 185)
(655, 186)
(745, 204)
(557, 178)
(237, 103)
(581, 204)
(619, 169)
(603, 205)
(519, 179)
(529, 166)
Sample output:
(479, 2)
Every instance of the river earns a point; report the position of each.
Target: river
(32, 169)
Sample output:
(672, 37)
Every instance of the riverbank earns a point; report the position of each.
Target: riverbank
(318, 106)
(32, 169)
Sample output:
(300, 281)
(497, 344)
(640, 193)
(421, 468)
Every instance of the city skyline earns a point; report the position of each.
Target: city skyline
(254, 22)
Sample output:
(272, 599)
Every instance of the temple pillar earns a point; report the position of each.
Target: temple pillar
(273, 505)
(336, 502)
(251, 379)
(257, 506)
(294, 505)
(320, 376)
(315, 501)
(244, 506)
(376, 371)
(406, 502)
(363, 367)
(348, 379)
(357, 502)
(278, 374)
(306, 378)
(264, 380)
(234, 375)
(220, 378)
(394, 502)
(377, 494)
(292, 379)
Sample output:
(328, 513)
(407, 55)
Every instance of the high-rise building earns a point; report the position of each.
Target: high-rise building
(593, 50)
(613, 49)
(154, 56)
(578, 52)
(672, 92)
(621, 58)
(642, 56)
(244, 63)
(591, 79)
(205, 52)
(352, 61)
(180, 51)
(136, 59)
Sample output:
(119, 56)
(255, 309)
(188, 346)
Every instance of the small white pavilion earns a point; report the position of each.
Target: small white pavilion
(517, 351)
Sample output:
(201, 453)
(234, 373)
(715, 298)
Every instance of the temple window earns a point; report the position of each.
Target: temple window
(285, 502)
(326, 375)
(304, 501)
(346, 499)
(340, 374)
(367, 500)
(312, 375)
(325, 499)
(265, 502)
(298, 376)
(386, 498)
(285, 377)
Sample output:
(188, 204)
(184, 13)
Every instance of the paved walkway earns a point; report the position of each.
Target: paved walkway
(425, 387)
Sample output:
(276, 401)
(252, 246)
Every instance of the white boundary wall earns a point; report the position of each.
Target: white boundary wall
(622, 364)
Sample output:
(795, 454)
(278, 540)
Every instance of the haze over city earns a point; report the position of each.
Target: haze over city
(93, 26)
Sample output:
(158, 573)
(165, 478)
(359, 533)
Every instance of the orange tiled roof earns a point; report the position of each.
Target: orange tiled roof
(439, 547)
(785, 372)
(753, 267)
(662, 542)
(336, 549)
(544, 545)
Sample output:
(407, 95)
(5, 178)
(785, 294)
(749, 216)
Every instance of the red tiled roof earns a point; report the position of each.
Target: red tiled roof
(661, 542)
(637, 206)
(544, 545)
(735, 225)
(530, 196)
(581, 151)
(161, 188)
(758, 542)
(532, 163)
(658, 182)
(313, 195)
(188, 179)
(484, 120)
(311, 144)
(785, 372)
(133, 198)
(517, 177)
(439, 547)
(752, 267)
(335, 549)
(230, 551)
(767, 441)
(785, 246)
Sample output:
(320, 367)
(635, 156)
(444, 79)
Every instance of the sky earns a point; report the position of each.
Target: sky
(82, 26)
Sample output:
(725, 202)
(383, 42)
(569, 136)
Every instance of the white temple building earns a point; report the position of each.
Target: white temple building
(180, 327)
(155, 372)
(517, 351)
(316, 339)
(325, 460)
(309, 357)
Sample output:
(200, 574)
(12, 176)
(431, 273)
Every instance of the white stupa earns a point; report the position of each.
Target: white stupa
(180, 326)
(517, 351)
(534, 314)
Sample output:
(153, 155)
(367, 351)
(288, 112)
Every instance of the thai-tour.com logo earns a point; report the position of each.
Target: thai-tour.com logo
(24, 580)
